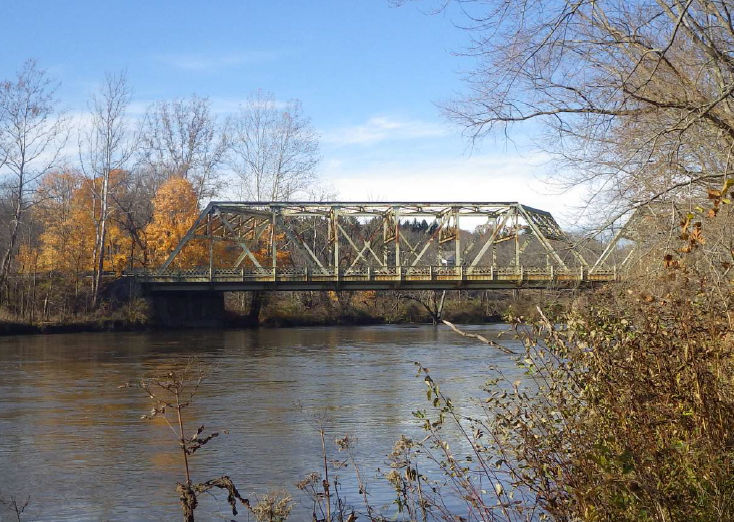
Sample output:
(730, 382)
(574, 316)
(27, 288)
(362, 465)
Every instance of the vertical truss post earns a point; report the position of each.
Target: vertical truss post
(457, 239)
(517, 239)
(494, 244)
(396, 216)
(384, 242)
(335, 228)
(211, 246)
(273, 239)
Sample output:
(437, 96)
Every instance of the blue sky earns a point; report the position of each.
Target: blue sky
(369, 75)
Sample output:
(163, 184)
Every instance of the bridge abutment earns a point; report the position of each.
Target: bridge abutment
(187, 309)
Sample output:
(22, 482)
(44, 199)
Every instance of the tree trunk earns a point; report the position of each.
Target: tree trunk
(101, 236)
(8, 257)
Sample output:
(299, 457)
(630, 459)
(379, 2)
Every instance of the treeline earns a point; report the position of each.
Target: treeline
(109, 190)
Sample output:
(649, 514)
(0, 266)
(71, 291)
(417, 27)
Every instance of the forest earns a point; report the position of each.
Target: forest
(88, 196)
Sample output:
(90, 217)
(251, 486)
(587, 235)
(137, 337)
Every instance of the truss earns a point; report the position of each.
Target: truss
(349, 237)
(650, 226)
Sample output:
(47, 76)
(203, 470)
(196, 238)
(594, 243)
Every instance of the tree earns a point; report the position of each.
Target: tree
(175, 208)
(274, 151)
(65, 213)
(32, 135)
(637, 96)
(106, 147)
(181, 138)
(134, 211)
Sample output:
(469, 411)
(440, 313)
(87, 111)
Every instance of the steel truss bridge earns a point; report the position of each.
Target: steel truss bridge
(373, 246)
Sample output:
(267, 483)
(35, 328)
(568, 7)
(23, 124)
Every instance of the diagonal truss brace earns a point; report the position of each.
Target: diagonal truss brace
(189, 235)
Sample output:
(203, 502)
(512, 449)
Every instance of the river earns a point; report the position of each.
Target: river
(74, 442)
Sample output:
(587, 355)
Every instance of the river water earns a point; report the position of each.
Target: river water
(74, 442)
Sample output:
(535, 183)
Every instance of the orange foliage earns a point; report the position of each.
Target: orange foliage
(264, 254)
(67, 241)
(68, 211)
(175, 208)
(27, 259)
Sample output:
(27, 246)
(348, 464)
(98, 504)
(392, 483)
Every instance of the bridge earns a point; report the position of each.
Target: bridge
(235, 246)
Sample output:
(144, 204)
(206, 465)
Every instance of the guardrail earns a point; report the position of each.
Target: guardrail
(517, 275)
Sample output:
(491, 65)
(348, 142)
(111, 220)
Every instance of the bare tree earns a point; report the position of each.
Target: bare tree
(274, 150)
(105, 147)
(637, 96)
(32, 135)
(182, 138)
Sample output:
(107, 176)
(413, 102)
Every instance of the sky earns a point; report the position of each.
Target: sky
(371, 77)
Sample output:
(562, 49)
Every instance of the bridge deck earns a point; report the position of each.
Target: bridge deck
(392, 278)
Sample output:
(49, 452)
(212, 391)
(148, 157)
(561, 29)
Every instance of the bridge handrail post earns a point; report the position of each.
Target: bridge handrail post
(491, 272)
(400, 273)
(552, 275)
(430, 272)
(461, 272)
(522, 273)
(581, 272)
(369, 273)
(614, 271)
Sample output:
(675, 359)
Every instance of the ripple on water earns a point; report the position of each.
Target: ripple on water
(74, 441)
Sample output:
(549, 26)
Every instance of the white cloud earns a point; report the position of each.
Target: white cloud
(213, 62)
(381, 128)
(481, 178)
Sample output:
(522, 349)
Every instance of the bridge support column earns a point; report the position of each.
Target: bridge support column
(181, 309)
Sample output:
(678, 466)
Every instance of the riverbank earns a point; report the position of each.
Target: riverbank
(284, 310)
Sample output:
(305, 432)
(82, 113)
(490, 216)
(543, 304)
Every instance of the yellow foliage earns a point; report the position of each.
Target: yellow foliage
(67, 241)
(68, 212)
(264, 254)
(175, 208)
(27, 259)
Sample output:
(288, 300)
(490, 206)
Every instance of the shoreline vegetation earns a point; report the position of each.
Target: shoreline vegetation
(285, 310)
(624, 413)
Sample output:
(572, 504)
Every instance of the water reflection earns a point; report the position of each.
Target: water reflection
(74, 441)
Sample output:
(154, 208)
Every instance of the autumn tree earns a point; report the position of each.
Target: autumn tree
(32, 135)
(67, 212)
(134, 212)
(274, 151)
(182, 138)
(175, 208)
(68, 230)
(104, 148)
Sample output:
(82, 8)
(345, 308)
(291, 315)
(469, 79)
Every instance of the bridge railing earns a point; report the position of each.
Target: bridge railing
(423, 273)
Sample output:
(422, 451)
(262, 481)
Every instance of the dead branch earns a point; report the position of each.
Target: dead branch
(481, 338)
